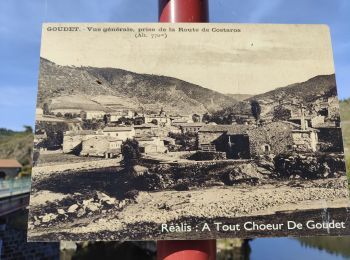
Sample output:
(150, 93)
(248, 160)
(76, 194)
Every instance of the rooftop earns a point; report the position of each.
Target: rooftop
(117, 129)
(9, 163)
(146, 126)
(225, 128)
(192, 125)
(80, 132)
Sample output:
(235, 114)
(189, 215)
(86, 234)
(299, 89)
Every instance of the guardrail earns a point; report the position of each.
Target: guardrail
(13, 187)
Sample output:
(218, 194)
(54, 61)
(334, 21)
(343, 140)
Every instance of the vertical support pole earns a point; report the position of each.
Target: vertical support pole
(191, 11)
(183, 11)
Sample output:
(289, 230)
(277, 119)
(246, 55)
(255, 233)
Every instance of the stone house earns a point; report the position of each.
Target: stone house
(72, 140)
(116, 115)
(151, 145)
(146, 130)
(92, 114)
(101, 146)
(9, 168)
(119, 132)
(247, 141)
(191, 127)
(181, 119)
(161, 120)
(305, 140)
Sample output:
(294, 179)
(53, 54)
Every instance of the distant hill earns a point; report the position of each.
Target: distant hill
(16, 145)
(240, 97)
(304, 92)
(96, 88)
(308, 91)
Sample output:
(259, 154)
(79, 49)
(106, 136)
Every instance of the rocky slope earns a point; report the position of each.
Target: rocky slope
(152, 92)
(304, 92)
(308, 91)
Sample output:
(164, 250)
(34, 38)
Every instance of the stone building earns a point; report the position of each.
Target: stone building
(92, 114)
(116, 115)
(146, 130)
(160, 120)
(101, 146)
(119, 132)
(247, 141)
(151, 145)
(305, 140)
(9, 168)
(191, 127)
(72, 140)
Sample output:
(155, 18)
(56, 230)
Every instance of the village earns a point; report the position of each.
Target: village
(280, 127)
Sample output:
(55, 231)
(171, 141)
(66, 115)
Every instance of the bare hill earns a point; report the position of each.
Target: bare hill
(151, 92)
(308, 91)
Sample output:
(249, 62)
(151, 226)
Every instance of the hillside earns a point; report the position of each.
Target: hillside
(97, 88)
(18, 145)
(240, 97)
(308, 91)
(305, 92)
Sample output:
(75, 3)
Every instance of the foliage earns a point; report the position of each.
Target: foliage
(54, 133)
(125, 121)
(131, 153)
(188, 141)
(28, 129)
(16, 145)
(92, 124)
(334, 245)
(256, 109)
(345, 110)
(281, 113)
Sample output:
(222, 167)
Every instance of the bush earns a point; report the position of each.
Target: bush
(149, 182)
(207, 156)
(131, 153)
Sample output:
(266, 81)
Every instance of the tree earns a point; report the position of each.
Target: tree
(206, 117)
(154, 121)
(46, 110)
(196, 118)
(281, 114)
(131, 153)
(256, 109)
(28, 129)
(107, 119)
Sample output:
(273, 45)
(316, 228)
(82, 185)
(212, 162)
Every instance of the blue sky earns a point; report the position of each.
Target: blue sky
(20, 28)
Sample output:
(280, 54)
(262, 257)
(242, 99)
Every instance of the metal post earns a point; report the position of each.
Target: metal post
(192, 11)
(183, 11)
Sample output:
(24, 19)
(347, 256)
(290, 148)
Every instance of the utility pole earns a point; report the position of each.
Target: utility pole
(185, 11)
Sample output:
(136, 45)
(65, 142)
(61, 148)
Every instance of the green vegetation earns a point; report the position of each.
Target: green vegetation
(17, 145)
(333, 245)
(345, 114)
(345, 109)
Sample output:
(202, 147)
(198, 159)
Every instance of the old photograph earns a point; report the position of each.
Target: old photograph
(162, 131)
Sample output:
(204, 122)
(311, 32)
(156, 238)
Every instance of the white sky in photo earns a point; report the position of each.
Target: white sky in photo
(257, 59)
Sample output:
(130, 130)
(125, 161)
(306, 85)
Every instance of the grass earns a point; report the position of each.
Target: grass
(345, 116)
(345, 110)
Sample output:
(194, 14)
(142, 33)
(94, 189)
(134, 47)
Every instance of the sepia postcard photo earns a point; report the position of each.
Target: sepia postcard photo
(187, 131)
